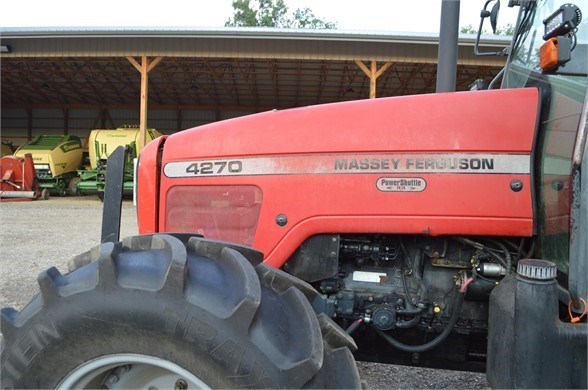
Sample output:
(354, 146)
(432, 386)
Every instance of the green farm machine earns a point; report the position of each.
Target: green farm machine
(101, 143)
(7, 148)
(56, 159)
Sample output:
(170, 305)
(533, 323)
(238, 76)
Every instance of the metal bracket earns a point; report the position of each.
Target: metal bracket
(113, 193)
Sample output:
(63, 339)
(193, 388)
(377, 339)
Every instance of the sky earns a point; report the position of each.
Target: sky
(365, 15)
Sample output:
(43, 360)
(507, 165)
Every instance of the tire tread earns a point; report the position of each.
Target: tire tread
(262, 308)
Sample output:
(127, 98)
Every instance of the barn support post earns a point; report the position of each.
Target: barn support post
(373, 73)
(144, 68)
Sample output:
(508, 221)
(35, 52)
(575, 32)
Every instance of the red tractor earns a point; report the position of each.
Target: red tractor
(443, 230)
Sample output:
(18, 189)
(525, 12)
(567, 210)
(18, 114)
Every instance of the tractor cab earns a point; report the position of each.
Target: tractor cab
(549, 52)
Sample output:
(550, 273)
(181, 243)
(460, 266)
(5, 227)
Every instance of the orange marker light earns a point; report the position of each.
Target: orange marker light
(548, 54)
(555, 53)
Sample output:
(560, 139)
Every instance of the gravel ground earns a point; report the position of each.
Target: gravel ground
(40, 234)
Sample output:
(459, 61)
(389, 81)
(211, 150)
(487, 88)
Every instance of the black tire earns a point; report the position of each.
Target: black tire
(196, 303)
(72, 187)
(101, 196)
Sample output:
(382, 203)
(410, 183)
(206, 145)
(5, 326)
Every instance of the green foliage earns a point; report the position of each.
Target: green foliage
(469, 29)
(243, 15)
(271, 14)
(305, 18)
(274, 13)
(505, 30)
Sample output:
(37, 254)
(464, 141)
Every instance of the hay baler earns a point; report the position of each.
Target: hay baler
(101, 143)
(57, 159)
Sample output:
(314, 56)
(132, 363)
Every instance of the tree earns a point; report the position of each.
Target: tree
(243, 15)
(506, 30)
(274, 13)
(305, 18)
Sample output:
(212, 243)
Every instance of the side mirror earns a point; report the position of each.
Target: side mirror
(493, 14)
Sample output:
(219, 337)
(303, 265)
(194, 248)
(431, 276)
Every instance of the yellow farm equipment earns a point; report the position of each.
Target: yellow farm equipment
(101, 143)
(57, 159)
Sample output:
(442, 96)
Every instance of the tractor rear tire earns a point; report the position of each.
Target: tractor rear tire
(173, 312)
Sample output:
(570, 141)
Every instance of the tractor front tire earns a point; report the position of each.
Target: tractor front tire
(163, 311)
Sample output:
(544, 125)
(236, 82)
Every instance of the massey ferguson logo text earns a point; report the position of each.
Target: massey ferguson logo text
(416, 164)
(409, 164)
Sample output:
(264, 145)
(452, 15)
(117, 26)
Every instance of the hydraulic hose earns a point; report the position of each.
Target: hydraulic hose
(410, 308)
(418, 266)
(408, 324)
(471, 242)
(531, 250)
(411, 312)
(408, 299)
(437, 340)
(520, 248)
(353, 327)
(506, 262)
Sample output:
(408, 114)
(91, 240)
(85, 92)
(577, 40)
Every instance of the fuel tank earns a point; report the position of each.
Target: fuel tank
(438, 164)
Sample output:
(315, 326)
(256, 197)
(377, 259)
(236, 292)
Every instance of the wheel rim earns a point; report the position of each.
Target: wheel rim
(131, 371)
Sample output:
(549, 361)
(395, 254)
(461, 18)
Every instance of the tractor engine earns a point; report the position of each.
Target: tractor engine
(404, 283)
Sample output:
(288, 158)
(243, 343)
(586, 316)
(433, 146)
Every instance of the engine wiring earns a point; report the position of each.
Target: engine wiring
(574, 319)
(491, 259)
(459, 297)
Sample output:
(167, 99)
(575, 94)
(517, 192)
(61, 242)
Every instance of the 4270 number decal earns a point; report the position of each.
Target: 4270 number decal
(214, 167)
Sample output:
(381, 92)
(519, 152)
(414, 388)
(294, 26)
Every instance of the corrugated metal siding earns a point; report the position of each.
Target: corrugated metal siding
(235, 47)
(82, 120)
(49, 122)
(165, 121)
(197, 118)
(13, 125)
(14, 122)
(233, 114)
(122, 117)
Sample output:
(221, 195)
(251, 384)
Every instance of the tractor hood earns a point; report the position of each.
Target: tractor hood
(451, 163)
(499, 121)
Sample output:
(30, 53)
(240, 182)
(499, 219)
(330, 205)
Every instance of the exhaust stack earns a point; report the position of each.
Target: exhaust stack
(447, 57)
